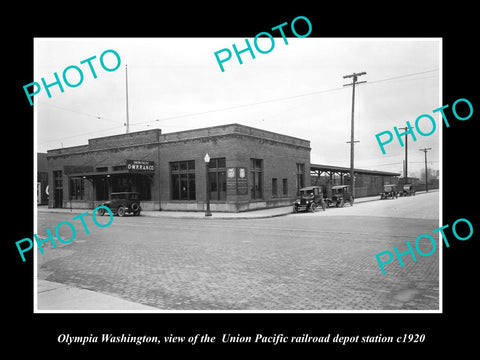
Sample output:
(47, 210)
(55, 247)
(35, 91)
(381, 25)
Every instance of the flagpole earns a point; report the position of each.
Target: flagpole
(126, 92)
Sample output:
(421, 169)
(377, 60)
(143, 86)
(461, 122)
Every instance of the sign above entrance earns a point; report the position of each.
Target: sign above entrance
(140, 166)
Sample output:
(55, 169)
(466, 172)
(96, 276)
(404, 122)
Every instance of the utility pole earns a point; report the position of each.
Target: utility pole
(127, 124)
(406, 155)
(426, 176)
(352, 138)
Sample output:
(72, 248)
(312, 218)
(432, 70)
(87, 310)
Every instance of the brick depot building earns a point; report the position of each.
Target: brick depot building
(249, 169)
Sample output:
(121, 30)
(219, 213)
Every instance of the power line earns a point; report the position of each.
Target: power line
(240, 106)
(82, 134)
(224, 109)
(402, 76)
(283, 98)
(79, 112)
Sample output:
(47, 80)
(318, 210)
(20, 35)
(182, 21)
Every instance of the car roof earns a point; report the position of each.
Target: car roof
(339, 186)
(310, 187)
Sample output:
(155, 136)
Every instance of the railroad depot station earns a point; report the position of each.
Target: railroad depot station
(248, 169)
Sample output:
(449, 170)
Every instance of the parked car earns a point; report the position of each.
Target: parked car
(122, 203)
(389, 191)
(341, 194)
(311, 197)
(408, 190)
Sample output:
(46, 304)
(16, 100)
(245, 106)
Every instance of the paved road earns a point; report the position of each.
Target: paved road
(320, 261)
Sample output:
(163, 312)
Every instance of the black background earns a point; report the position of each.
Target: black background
(24, 330)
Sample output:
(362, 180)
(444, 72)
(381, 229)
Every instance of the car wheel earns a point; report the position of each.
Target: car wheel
(101, 211)
(341, 203)
(136, 213)
(121, 211)
(295, 209)
(135, 207)
(313, 207)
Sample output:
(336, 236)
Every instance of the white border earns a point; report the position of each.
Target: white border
(160, 311)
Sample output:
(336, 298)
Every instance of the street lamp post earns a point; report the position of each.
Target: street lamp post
(207, 181)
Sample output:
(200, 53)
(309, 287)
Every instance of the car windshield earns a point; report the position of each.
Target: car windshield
(118, 196)
(306, 193)
(337, 191)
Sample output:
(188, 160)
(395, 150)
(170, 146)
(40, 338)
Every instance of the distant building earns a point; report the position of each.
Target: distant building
(42, 179)
(367, 182)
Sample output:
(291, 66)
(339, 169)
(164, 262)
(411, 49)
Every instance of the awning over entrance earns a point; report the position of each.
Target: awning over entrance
(105, 174)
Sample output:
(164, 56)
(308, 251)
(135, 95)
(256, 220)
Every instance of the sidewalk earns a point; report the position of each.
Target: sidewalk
(254, 214)
(52, 296)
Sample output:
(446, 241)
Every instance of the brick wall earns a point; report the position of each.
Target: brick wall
(237, 143)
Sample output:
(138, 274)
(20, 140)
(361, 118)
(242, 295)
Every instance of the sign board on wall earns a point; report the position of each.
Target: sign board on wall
(242, 184)
(237, 181)
(231, 181)
(142, 166)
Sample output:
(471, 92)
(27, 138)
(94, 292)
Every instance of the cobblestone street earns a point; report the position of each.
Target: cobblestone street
(320, 261)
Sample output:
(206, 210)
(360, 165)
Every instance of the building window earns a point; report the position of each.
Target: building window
(256, 171)
(122, 184)
(143, 187)
(274, 187)
(127, 183)
(77, 189)
(182, 175)
(285, 187)
(300, 175)
(217, 177)
(101, 189)
(101, 169)
(119, 167)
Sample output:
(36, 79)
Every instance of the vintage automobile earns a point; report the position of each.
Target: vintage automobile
(389, 191)
(341, 194)
(311, 197)
(122, 203)
(408, 190)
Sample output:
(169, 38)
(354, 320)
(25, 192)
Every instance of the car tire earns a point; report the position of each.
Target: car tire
(136, 213)
(313, 207)
(135, 207)
(341, 203)
(295, 209)
(121, 211)
(101, 211)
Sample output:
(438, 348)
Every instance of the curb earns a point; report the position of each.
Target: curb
(216, 216)
(172, 215)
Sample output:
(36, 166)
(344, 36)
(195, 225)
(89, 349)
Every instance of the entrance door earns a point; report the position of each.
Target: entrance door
(58, 198)
(58, 183)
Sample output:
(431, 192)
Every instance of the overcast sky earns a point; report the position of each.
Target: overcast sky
(297, 89)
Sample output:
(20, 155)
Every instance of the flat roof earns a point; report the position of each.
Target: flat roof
(155, 136)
